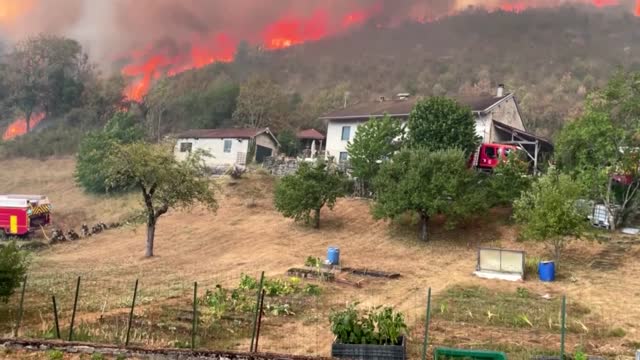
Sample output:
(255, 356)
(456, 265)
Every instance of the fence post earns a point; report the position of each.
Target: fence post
(255, 349)
(20, 308)
(426, 326)
(255, 318)
(75, 306)
(133, 304)
(195, 315)
(562, 328)
(55, 316)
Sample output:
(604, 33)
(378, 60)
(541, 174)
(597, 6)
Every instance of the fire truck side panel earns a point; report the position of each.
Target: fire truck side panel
(14, 221)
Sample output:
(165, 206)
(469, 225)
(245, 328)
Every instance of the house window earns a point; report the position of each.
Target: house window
(346, 133)
(343, 156)
(227, 146)
(186, 147)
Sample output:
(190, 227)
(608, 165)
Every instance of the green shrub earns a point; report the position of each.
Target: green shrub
(382, 326)
(13, 267)
(313, 261)
(55, 355)
(97, 356)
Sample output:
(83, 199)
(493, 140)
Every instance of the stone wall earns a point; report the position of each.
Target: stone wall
(138, 353)
(280, 166)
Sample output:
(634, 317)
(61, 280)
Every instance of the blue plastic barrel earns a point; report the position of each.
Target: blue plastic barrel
(547, 270)
(333, 255)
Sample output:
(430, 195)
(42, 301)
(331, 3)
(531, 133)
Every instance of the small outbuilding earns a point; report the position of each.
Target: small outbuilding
(228, 146)
(311, 142)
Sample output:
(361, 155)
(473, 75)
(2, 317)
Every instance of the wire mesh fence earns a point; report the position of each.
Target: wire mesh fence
(294, 318)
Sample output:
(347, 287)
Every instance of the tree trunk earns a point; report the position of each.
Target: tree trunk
(316, 219)
(151, 232)
(424, 221)
(27, 119)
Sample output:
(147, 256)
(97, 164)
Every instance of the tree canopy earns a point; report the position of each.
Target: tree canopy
(376, 140)
(95, 148)
(439, 123)
(164, 182)
(302, 195)
(550, 212)
(428, 183)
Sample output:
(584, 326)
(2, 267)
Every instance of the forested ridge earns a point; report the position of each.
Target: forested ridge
(551, 59)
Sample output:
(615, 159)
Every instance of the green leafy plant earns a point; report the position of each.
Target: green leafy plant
(522, 292)
(279, 309)
(97, 356)
(55, 355)
(247, 282)
(579, 355)
(313, 261)
(382, 326)
(311, 289)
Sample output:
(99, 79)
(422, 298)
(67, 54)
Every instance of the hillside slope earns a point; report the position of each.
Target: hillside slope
(551, 58)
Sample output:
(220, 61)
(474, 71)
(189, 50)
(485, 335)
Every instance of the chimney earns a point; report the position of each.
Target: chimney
(500, 92)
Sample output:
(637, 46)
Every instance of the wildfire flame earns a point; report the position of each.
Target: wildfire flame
(11, 10)
(149, 64)
(19, 126)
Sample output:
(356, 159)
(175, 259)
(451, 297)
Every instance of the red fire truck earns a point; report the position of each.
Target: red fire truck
(490, 155)
(19, 214)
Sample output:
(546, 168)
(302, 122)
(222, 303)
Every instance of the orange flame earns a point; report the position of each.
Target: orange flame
(289, 31)
(150, 64)
(637, 7)
(19, 126)
(11, 10)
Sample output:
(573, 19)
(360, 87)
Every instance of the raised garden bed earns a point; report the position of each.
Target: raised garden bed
(311, 273)
(370, 352)
(372, 273)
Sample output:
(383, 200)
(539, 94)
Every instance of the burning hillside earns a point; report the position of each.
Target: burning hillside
(148, 39)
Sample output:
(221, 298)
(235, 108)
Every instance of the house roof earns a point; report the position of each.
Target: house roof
(311, 134)
(402, 108)
(222, 133)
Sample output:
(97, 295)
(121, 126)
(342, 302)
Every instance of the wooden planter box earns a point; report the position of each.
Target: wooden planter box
(370, 352)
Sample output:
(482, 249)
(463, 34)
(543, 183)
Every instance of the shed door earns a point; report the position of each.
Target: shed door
(262, 152)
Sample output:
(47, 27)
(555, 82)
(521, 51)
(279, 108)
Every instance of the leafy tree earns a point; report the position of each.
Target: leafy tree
(164, 182)
(550, 211)
(428, 183)
(598, 148)
(509, 180)
(307, 191)
(46, 73)
(13, 268)
(439, 123)
(375, 141)
(289, 144)
(95, 148)
(261, 103)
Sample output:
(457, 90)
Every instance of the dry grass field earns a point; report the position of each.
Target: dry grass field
(247, 235)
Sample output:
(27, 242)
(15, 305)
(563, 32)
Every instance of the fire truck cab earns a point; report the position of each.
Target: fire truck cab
(489, 156)
(19, 214)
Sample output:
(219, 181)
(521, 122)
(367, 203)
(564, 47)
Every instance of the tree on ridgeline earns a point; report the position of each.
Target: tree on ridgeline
(46, 74)
(164, 182)
(261, 103)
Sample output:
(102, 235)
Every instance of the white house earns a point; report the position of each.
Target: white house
(228, 146)
(497, 119)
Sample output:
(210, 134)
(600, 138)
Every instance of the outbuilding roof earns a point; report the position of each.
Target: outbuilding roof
(403, 107)
(311, 134)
